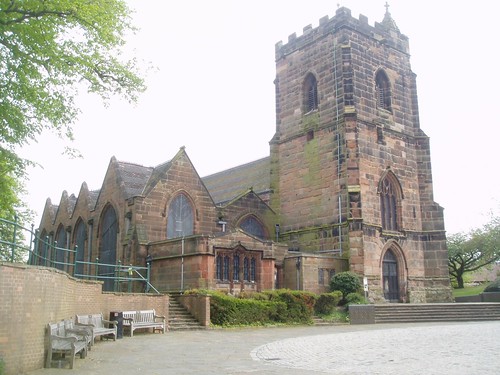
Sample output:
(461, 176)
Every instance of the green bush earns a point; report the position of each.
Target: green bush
(493, 287)
(355, 299)
(327, 303)
(299, 305)
(226, 310)
(347, 282)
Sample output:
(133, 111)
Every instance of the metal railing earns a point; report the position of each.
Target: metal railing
(21, 244)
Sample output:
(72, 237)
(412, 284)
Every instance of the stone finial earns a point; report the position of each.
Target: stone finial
(388, 22)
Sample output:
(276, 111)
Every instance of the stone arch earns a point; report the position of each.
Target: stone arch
(393, 272)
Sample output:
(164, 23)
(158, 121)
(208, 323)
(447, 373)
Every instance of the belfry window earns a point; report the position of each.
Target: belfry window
(310, 93)
(383, 91)
(180, 217)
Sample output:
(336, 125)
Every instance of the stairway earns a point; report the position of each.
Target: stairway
(179, 319)
(436, 312)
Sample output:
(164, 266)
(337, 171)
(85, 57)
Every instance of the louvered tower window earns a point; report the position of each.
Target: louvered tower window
(383, 91)
(310, 93)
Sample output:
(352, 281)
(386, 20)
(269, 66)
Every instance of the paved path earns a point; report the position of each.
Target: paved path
(425, 348)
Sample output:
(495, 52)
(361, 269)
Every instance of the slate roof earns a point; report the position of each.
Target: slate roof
(134, 178)
(226, 185)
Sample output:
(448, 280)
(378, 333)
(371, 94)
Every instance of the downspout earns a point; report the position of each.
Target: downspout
(338, 144)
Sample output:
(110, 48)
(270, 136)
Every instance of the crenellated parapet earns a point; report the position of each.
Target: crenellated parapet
(385, 32)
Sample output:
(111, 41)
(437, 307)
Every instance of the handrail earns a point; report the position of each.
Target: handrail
(40, 251)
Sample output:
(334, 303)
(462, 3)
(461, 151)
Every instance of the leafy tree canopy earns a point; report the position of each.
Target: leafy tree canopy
(472, 251)
(49, 50)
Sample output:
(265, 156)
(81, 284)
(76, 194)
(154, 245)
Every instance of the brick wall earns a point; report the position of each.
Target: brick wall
(32, 297)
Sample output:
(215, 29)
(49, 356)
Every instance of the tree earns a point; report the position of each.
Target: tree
(472, 251)
(49, 50)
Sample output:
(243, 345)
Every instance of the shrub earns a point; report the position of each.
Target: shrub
(230, 311)
(355, 299)
(347, 282)
(299, 305)
(493, 287)
(327, 303)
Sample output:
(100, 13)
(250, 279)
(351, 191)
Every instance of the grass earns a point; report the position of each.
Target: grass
(469, 291)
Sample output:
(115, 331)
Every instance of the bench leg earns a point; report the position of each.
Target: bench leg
(48, 360)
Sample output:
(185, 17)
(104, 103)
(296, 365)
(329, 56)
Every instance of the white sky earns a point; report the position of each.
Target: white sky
(214, 93)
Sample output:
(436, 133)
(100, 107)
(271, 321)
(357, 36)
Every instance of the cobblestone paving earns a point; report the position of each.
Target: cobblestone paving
(424, 349)
(450, 349)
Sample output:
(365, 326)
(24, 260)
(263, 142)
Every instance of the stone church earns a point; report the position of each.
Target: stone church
(347, 185)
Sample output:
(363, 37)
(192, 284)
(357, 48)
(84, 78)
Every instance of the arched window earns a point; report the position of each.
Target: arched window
(60, 248)
(43, 249)
(383, 91)
(253, 226)
(390, 202)
(107, 248)
(180, 217)
(80, 237)
(310, 93)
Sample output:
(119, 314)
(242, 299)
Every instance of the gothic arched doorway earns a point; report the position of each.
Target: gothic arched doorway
(390, 278)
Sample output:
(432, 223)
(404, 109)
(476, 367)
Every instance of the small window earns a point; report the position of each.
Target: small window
(310, 93)
(236, 267)
(226, 268)
(383, 91)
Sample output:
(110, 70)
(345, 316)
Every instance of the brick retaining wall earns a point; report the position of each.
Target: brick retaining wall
(33, 296)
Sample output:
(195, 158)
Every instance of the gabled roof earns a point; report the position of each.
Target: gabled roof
(226, 185)
(134, 178)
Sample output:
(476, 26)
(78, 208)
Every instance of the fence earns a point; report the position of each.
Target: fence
(21, 244)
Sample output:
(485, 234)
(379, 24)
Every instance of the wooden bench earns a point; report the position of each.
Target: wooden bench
(83, 333)
(65, 343)
(143, 319)
(100, 326)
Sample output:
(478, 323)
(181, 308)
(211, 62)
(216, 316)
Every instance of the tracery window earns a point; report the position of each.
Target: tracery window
(390, 198)
(310, 93)
(231, 264)
(180, 221)
(383, 91)
(61, 248)
(253, 226)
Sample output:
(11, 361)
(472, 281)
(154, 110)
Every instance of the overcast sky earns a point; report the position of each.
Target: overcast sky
(213, 93)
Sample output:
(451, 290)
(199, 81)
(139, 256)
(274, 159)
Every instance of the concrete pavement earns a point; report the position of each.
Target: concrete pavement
(424, 348)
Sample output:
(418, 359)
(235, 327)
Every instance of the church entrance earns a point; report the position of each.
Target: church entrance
(390, 277)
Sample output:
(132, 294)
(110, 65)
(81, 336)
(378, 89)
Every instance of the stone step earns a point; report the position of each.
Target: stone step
(180, 319)
(436, 312)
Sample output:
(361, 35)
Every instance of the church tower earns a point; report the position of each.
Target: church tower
(350, 167)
